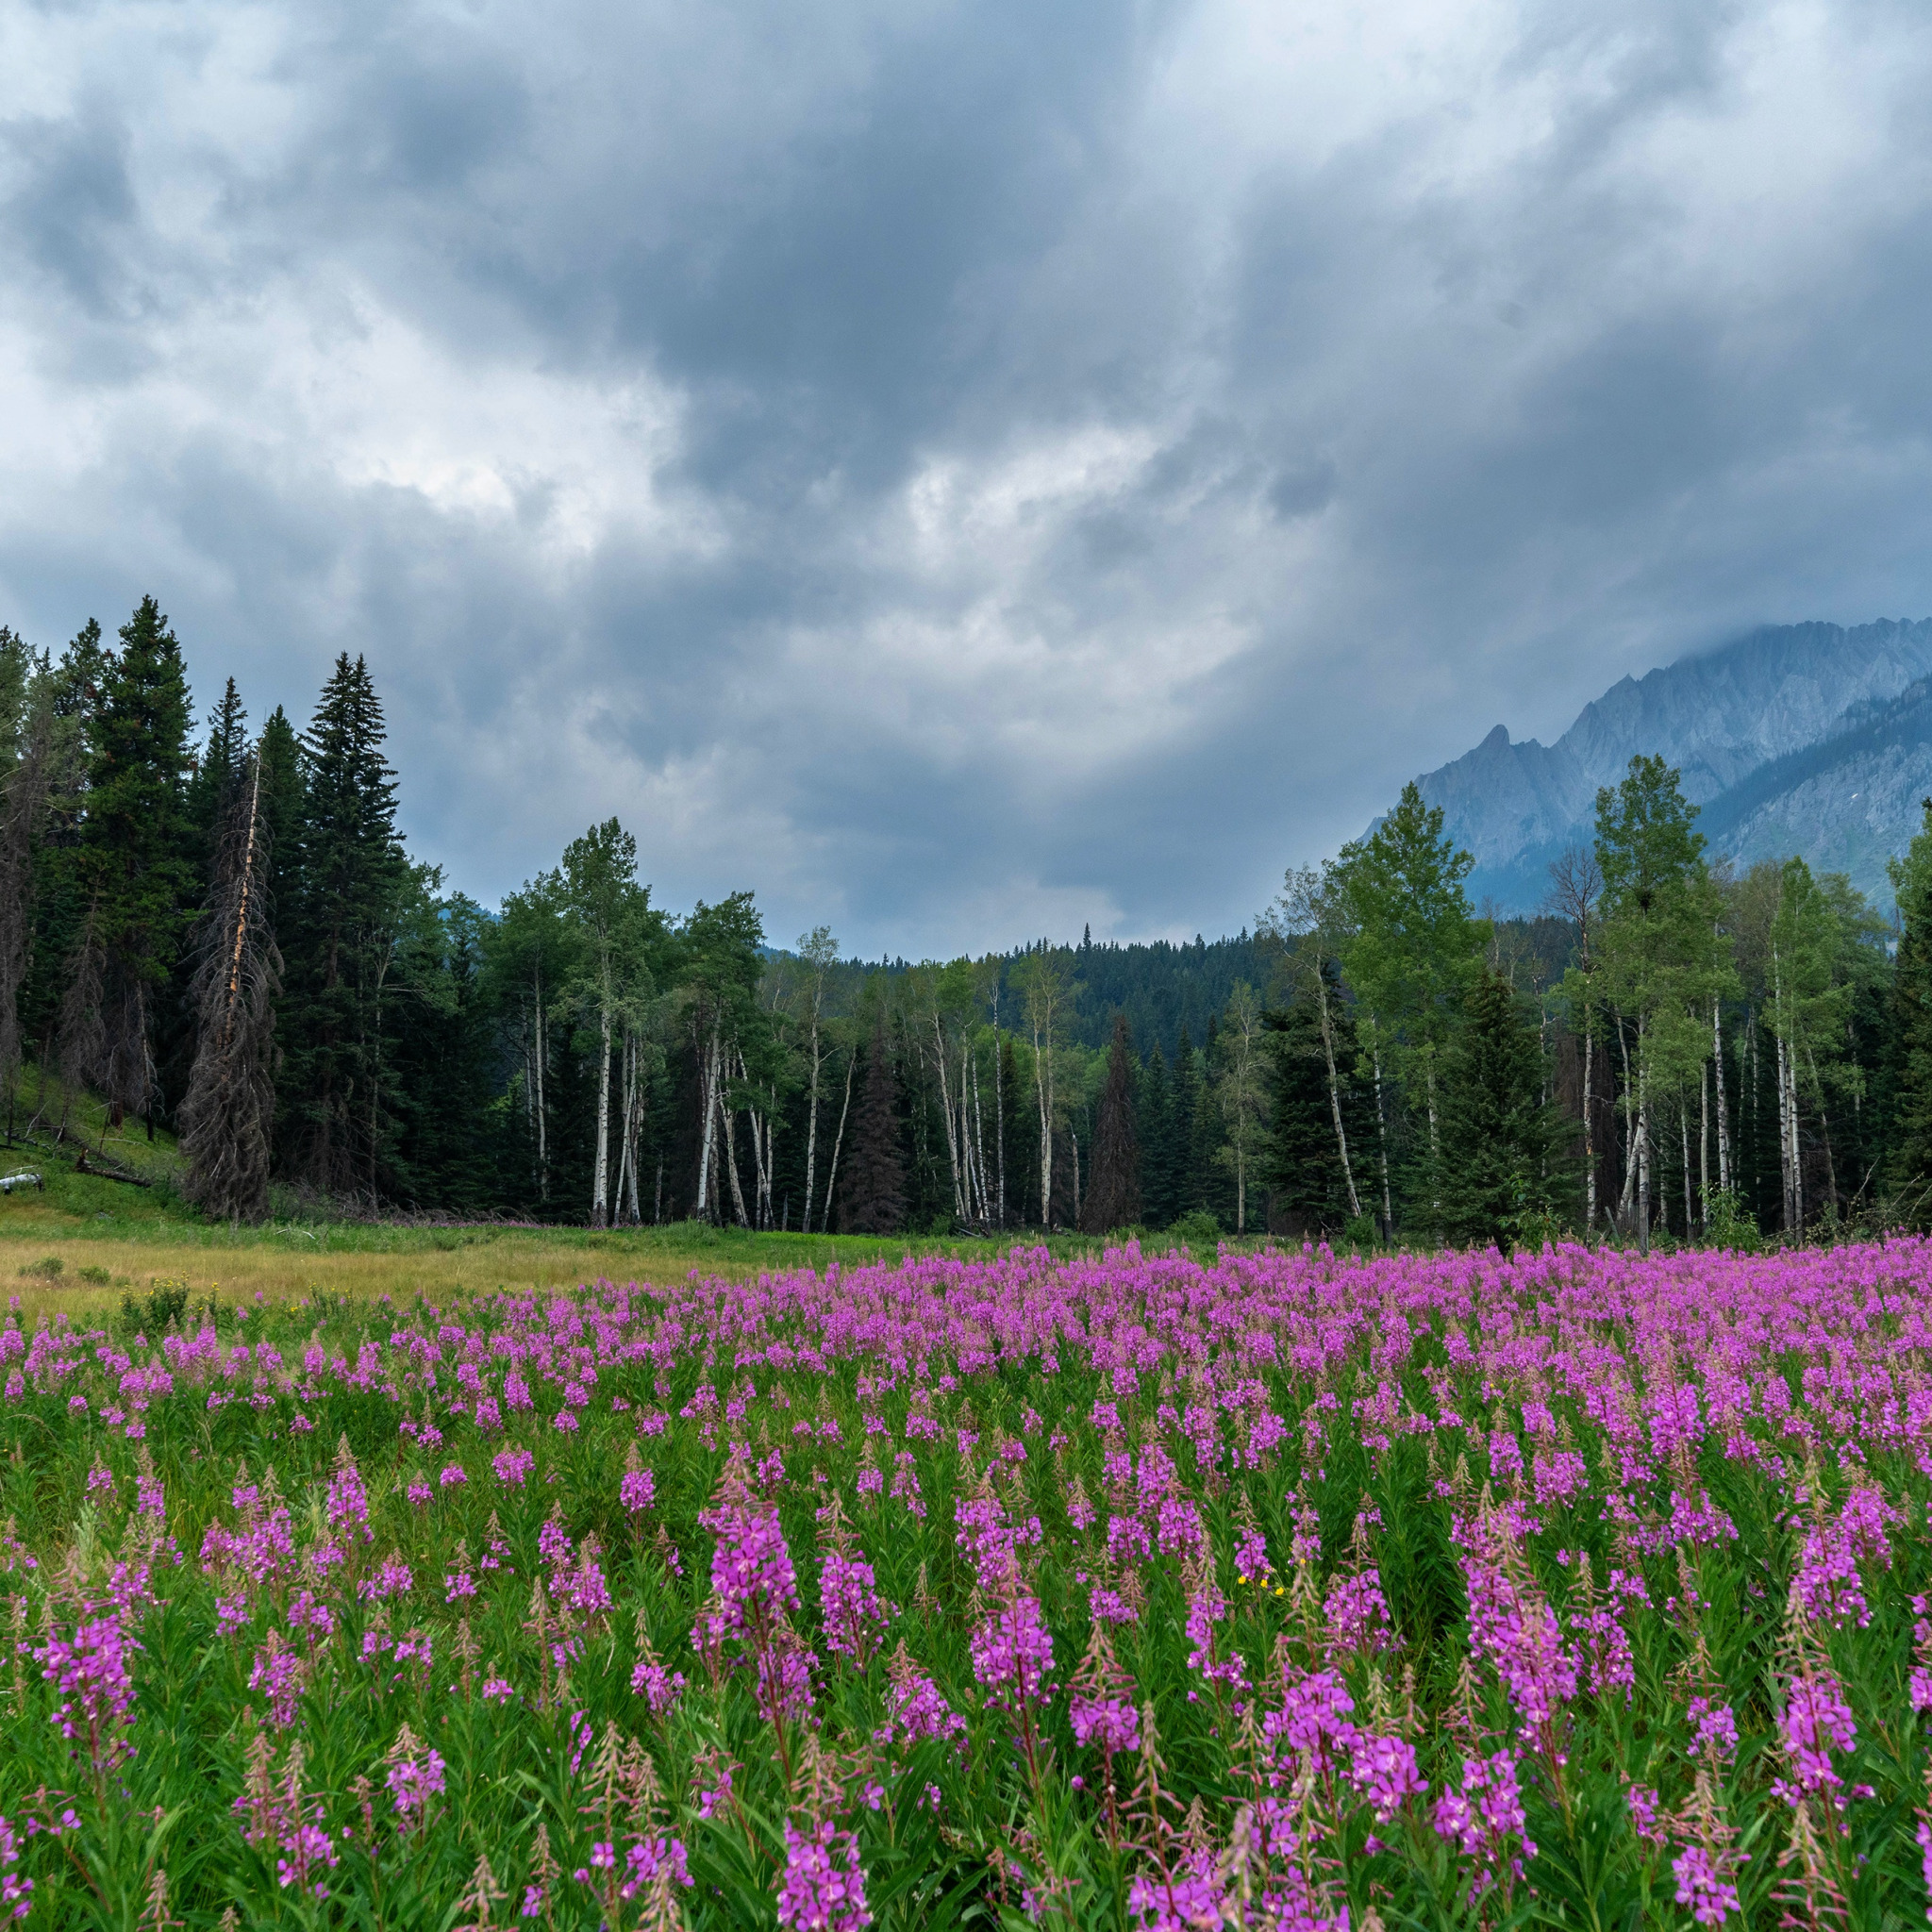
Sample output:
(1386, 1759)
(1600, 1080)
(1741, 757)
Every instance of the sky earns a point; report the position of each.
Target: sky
(964, 472)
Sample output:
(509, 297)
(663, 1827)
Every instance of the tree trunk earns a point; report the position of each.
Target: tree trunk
(731, 1160)
(811, 1127)
(1589, 1124)
(707, 1134)
(946, 1110)
(600, 1173)
(999, 1113)
(543, 1112)
(1642, 1147)
(1724, 1125)
(1684, 1151)
(1382, 1130)
(1043, 1095)
(1704, 1148)
(1355, 1205)
(839, 1139)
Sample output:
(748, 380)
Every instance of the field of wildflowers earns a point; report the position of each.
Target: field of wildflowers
(1570, 1590)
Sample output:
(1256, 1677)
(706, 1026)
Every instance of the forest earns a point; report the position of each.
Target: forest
(218, 929)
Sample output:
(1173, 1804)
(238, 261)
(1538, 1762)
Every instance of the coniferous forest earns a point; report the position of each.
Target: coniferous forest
(214, 924)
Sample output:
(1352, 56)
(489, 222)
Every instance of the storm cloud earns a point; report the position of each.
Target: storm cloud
(962, 472)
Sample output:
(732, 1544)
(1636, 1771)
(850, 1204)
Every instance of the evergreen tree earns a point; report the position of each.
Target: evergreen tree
(1156, 1131)
(224, 762)
(1182, 1115)
(25, 776)
(1300, 1154)
(1209, 1184)
(352, 889)
(1499, 1139)
(873, 1200)
(1112, 1196)
(1018, 1139)
(1908, 1063)
(449, 1124)
(136, 859)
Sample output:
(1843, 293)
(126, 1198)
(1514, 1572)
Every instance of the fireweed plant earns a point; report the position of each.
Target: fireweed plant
(1569, 1590)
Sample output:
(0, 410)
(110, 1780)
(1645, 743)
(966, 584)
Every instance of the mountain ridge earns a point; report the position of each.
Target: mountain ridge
(1810, 737)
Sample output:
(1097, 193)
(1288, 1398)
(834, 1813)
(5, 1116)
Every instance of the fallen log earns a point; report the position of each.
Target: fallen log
(83, 1165)
(8, 1182)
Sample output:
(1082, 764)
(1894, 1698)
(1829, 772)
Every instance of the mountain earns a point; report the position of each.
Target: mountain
(1799, 738)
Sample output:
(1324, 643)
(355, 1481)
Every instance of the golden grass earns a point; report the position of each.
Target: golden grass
(286, 1263)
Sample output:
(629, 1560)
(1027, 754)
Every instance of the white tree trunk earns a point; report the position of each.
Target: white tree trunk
(1724, 1125)
(939, 1060)
(811, 1129)
(600, 1183)
(1589, 1124)
(1355, 1205)
(706, 1137)
(838, 1142)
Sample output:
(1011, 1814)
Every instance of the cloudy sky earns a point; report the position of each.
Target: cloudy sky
(963, 470)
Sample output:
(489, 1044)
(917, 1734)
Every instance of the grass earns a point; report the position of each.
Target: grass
(98, 1260)
(85, 1241)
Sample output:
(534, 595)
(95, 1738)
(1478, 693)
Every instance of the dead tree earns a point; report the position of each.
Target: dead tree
(229, 1108)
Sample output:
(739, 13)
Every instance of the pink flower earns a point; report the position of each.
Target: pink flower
(822, 1889)
(1112, 1723)
(1012, 1654)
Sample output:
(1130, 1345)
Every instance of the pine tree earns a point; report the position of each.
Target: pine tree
(1183, 1113)
(26, 774)
(1112, 1196)
(228, 1113)
(1499, 1138)
(1018, 1148)
(352, 883)
(1209, 1184)
(1301, 1155)
(225, 765)
(1909, 1059)
(135, 859)
(1156, 1131)
(873, 1200)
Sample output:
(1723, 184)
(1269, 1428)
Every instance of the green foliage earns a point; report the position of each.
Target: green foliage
(1908, 1165)
(1199, 1231)
(1502, 1171)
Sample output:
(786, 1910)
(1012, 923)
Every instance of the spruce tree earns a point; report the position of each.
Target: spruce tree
(1156, 1131)
(25, 776)
(1301, 1158)
(1018, 1156)
(135, 859)
(1189, 1089)
(352, 885)
(1909, 1059)
(1499, 1138)
(1112, 1195)
(224, 762)
(1209, 1184)
(873, 1200)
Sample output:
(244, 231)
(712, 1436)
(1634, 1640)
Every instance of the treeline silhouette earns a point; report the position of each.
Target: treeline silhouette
(221, 932)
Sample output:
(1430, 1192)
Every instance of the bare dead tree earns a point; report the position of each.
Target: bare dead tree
(229, 1108)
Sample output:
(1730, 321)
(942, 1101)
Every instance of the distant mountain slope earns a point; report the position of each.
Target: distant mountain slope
(1800, 738)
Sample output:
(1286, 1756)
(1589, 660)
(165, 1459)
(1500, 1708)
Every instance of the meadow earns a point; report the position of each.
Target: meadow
(1099, 1590)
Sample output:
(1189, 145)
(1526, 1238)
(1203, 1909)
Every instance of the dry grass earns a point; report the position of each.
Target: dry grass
(286, 1263)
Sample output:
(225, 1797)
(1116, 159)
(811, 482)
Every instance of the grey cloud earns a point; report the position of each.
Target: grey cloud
(1062, 475)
